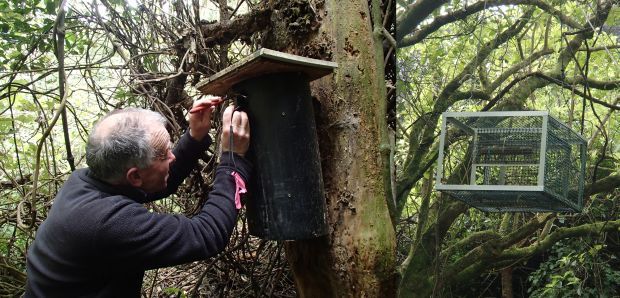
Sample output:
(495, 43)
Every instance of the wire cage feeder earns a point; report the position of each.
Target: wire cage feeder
(511, 161)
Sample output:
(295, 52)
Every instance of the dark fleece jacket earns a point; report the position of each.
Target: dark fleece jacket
(98, 239)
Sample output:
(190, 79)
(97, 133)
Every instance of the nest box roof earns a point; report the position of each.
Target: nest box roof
(262, 62)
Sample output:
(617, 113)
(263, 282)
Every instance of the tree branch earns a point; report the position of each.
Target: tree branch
(556, 79)
(17, 274)
(475, 238)
(532, 82)
(601, 48)
(35, 180)
(386, 150)
(592, 83)
(473, 94)
(515, 68)
(241, 27)
(493, 248)
(600, 85)
(59, 34)
(461, 14)
(414, 14)
(517, 253)
(602, 11)
(606, 184)
(559, 234)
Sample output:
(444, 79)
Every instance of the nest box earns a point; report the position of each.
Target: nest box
(287, 200)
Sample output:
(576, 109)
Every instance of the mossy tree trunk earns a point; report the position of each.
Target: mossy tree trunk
(357, 257)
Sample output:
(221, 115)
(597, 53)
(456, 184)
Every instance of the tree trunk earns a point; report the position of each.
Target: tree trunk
(506, 282)
(356, 258)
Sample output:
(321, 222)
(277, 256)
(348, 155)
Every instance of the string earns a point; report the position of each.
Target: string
(237, 107)
(232, 156)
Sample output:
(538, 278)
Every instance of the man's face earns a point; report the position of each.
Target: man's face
(155, 176)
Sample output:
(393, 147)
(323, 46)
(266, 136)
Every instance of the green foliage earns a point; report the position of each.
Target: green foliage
(22, 25)
(576, 269)
(174, 292)
(614, 17)
(435, 75)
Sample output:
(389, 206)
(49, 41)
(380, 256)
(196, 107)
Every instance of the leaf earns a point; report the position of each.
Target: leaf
(69, 39)
(51, 6)
(26, 105)
(14, 55)
(614, 17)
(24, 118)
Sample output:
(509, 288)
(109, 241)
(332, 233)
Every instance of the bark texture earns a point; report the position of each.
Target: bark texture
(356, 258)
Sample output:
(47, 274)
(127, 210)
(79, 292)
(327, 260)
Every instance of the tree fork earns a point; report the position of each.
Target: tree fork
(443, 102)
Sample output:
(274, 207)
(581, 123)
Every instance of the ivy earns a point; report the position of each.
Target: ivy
(576, 269)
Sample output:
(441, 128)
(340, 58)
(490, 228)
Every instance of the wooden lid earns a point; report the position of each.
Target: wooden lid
(262, 62)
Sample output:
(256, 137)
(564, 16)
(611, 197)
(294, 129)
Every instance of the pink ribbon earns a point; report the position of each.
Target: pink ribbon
(239, 189)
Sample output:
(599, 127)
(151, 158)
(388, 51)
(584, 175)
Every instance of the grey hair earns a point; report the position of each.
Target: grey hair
(123, 142)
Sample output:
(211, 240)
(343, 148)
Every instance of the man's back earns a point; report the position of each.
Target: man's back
(66, 258)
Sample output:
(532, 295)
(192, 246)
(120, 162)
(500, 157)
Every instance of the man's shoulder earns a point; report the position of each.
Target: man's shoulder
(83, 202)
(77, 190)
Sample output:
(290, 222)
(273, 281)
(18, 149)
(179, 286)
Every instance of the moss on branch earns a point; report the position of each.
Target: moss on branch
(592, 229)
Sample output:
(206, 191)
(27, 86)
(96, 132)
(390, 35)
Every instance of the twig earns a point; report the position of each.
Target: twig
(59, 45)
(33, 192)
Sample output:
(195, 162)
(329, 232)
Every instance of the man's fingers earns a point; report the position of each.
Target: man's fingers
(226, 116)
(244, 124)
(200, 116)
(238, 122)
(207, 101)
(237, 119)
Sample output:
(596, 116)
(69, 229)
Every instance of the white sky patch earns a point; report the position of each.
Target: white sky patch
(103, 11)
(81, 4)
(132, 3)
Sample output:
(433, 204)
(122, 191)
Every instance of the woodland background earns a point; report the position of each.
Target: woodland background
(401, 64)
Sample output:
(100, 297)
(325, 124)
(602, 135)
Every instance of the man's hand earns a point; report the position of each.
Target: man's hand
(200, 122)
(240, 131)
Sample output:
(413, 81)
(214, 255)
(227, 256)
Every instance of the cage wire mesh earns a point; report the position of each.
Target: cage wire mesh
(511, 161)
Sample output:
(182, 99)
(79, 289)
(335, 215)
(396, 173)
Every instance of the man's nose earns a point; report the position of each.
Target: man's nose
(171, 156)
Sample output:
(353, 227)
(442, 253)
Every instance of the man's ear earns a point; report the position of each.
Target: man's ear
(133, 177)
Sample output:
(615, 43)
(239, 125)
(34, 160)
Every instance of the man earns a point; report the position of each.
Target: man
(98, 238)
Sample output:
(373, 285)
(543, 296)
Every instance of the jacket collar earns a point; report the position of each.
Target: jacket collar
(133, 193)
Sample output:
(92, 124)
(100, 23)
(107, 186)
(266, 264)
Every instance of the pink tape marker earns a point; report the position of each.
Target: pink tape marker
(239, 189)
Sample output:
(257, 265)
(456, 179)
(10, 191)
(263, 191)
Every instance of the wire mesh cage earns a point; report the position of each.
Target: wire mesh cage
(511, 161)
